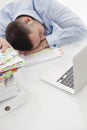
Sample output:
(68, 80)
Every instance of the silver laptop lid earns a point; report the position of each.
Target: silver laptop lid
(80, 68)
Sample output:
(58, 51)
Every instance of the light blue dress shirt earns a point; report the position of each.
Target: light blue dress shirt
(61, 24)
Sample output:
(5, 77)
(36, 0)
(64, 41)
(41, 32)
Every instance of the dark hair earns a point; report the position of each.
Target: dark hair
(17, 36)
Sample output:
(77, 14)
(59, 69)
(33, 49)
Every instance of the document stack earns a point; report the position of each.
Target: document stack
(10, 62)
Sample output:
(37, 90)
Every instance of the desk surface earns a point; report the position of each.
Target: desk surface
(47, 107)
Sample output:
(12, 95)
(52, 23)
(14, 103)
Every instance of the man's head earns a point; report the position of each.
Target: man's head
(25, 33)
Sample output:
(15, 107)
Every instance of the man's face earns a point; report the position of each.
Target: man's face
(37, 34)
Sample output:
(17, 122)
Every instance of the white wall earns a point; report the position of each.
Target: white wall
(78, 6)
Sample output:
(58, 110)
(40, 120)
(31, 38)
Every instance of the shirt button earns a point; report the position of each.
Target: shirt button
(54, 45)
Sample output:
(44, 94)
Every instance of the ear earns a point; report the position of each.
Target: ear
(28, 20)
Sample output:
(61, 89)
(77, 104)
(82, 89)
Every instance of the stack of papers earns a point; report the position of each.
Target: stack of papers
(10, 62)
(44, 55)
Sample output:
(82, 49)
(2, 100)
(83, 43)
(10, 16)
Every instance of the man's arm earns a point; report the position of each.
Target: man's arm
(72, 28)
(66, 36)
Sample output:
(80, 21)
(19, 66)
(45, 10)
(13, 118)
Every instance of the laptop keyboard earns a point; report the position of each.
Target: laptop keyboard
(67, 78)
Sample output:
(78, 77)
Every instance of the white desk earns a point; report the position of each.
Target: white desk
(47, 107)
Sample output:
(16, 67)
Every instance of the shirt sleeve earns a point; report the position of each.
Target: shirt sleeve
(66, 36)
(7, 14)
(5, 18)
(72, 28)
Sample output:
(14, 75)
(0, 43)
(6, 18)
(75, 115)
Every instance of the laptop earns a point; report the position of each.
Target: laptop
(69, 76)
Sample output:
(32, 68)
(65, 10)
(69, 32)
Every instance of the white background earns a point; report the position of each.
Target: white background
(48, 108)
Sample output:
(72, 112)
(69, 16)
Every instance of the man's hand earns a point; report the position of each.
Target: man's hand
(43, 44)
(4, 44)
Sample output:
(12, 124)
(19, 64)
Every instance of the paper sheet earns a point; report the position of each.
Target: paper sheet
(44, 55)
